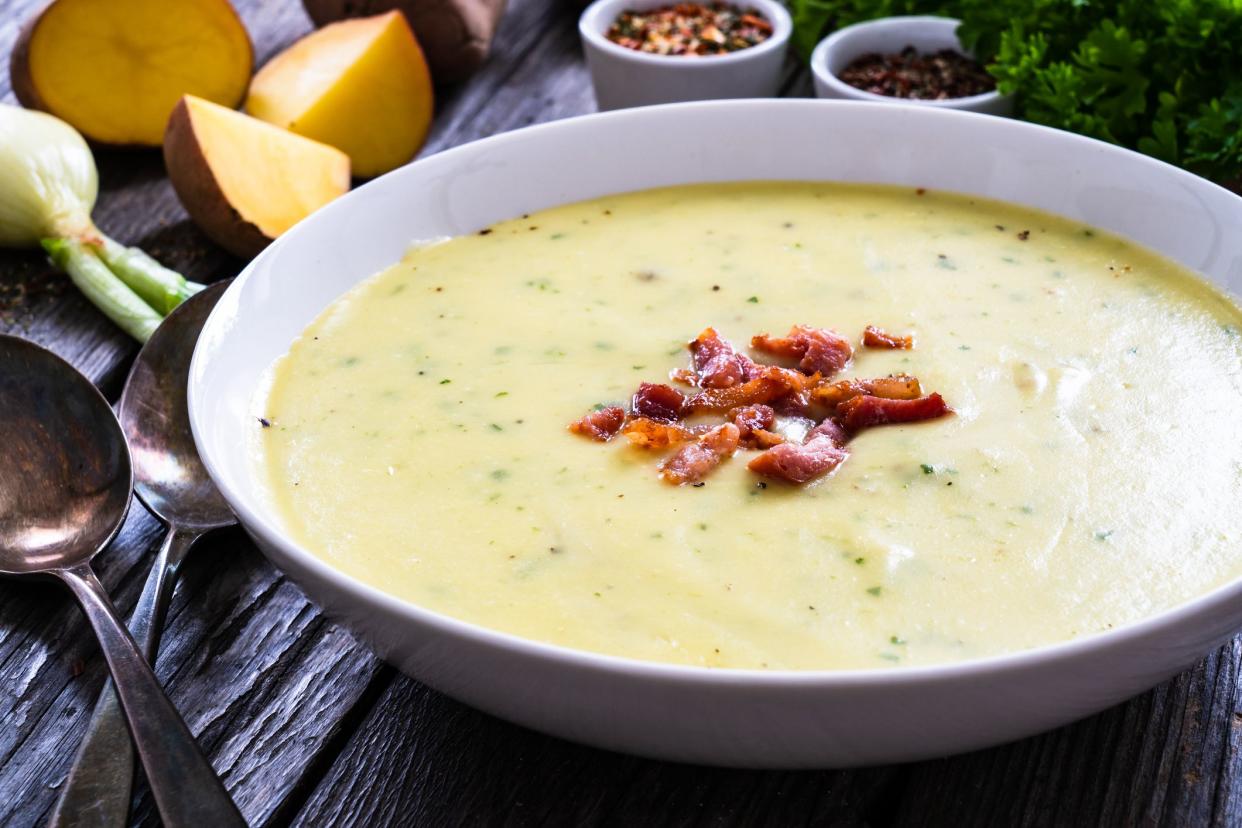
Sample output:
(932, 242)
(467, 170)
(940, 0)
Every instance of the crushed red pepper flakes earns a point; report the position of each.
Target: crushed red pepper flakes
(690, 29)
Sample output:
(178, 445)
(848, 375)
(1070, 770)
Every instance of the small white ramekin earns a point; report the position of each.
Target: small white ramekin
(625, 77)
(886, 36)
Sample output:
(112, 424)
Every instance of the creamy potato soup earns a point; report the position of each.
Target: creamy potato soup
(415, 436)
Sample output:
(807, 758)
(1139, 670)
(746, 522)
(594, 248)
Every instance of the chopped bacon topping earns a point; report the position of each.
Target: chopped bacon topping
(899, 387)
(754, 423)
(658, 402)
(771, 383)
(822, 452)
(693, 462)
(750, 397)
(866, 411)
(652, 434)
(818, 350)
(717, 363)
(600, 425)
(874, 337)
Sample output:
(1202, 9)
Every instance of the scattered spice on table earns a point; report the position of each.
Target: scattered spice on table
(908, 74)
(690, 29)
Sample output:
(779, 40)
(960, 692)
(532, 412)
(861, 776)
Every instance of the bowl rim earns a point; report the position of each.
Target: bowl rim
(841, 37)
(253, 519)
(591, 32)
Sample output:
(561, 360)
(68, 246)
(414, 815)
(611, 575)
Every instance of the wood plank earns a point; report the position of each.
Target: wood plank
(1170, 756)
(420, 758)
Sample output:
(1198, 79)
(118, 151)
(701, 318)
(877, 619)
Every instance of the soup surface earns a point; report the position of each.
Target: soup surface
(417, 438)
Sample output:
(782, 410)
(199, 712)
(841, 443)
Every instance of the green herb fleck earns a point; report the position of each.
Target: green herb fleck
(445, 381)
(860, 561)
(500, 394)
(1104, 534)
(496, 427)
(927, 468)
(500, 474)
(900, 642)
(754, 300)
(875, 590)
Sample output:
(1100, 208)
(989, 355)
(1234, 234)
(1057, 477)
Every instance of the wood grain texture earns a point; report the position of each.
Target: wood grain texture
(308, 728)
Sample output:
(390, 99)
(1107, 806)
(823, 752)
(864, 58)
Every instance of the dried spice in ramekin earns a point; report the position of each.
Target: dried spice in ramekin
(690, 29)
(932, 77)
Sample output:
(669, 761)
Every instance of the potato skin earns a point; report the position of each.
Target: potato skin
(19, 65)
(199, 192)
(455, 35)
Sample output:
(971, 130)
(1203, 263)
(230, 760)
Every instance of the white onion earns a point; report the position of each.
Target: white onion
(48, 181)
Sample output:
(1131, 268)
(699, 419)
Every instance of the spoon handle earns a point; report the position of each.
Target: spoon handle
(97, 791)
(187, 791)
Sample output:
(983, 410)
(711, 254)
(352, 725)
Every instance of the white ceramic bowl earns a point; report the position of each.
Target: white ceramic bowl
(730, 717)
(887, 36)
(624, 77)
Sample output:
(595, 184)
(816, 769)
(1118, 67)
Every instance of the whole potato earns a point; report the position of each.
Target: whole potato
(455, 34)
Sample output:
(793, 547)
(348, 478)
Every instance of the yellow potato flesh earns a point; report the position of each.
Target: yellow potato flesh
(116, 68)
(271, 177)
(360, 85)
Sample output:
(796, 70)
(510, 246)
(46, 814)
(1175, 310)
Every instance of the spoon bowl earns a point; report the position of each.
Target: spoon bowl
(169, 477)
(65, 482)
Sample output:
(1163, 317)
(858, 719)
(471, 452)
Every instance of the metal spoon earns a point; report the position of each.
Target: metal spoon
(64, 490)
(171, 481)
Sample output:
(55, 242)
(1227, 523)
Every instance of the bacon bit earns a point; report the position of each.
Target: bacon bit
(693, 462)
(717, 363)
(684, 376)
(866, 411)
(772, 383)
(822, 452)
(898, 387)
(874, 337)
(750, 417)
(754, 422)
(818, 350)
(600, 425)
(829, 428)
(658, 402)
(652, 434)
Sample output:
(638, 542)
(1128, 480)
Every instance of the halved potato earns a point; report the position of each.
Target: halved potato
(115, 69)
(243, 181)
(360, 85)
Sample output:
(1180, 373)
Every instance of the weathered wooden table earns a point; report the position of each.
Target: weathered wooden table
(307, 727)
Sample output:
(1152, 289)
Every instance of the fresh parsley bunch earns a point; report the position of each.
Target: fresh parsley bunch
(1160, 76)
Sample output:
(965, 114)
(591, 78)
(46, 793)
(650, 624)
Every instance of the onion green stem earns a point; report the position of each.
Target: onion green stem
(161, 288)
(102, 287)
